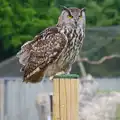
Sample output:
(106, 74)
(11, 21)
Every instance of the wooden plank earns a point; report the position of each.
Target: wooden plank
(63, 99)
(68, 89)
(77, 99)
(74, 99)
(56, 99)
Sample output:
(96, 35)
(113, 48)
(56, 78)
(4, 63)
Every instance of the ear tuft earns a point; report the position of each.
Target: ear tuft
(83, 9)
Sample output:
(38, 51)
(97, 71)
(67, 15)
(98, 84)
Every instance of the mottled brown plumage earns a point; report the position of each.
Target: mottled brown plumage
(55, 49)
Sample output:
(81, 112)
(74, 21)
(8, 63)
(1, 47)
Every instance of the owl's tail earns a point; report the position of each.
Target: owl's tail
(24, 53)
(31, 73)
(35, 78)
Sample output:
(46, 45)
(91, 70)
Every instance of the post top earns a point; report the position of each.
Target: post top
(70, 76)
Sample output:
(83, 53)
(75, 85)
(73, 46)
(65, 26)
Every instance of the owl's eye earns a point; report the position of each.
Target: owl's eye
(70, 16)
(80, 16)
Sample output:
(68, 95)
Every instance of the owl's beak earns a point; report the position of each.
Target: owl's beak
(75, 22)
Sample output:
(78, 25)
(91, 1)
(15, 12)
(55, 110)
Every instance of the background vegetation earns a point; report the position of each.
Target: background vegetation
(20, 20)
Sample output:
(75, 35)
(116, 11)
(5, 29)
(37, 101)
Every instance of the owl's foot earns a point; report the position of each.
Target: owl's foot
(68, 70)
(51, 78)
(59, 73)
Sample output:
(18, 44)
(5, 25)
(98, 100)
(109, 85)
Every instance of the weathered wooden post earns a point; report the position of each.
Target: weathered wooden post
(65, 97)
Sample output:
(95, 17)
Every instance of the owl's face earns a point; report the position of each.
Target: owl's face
(73, 17)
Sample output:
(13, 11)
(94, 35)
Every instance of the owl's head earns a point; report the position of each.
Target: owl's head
(74, 17)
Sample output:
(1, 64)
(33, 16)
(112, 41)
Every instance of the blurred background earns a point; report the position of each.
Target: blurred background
(21, 20)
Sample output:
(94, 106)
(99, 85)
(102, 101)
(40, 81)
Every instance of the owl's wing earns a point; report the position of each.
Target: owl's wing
(36, 55)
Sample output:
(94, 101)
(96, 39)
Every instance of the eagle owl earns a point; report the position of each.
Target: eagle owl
(55, 49)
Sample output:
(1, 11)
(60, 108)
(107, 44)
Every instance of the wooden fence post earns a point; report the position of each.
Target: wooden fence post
(65, 97)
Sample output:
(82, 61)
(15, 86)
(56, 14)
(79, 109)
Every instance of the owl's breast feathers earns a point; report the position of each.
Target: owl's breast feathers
(36, 55)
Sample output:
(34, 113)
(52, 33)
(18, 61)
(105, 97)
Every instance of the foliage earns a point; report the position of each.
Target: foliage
(20, 21)
(99, 12)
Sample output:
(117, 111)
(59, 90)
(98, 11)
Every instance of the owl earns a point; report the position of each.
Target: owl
(55, 49)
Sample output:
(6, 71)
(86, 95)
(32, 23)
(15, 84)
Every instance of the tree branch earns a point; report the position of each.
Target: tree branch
(103, 59)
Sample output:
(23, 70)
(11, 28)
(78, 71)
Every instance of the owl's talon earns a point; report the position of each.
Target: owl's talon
(51, 78)
(60, 73)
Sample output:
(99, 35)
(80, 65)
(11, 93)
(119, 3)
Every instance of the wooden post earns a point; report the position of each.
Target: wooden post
(65, 97)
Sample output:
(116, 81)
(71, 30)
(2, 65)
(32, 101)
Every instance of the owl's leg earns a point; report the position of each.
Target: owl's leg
(44, 78)
(60, 73)
(68, 70)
